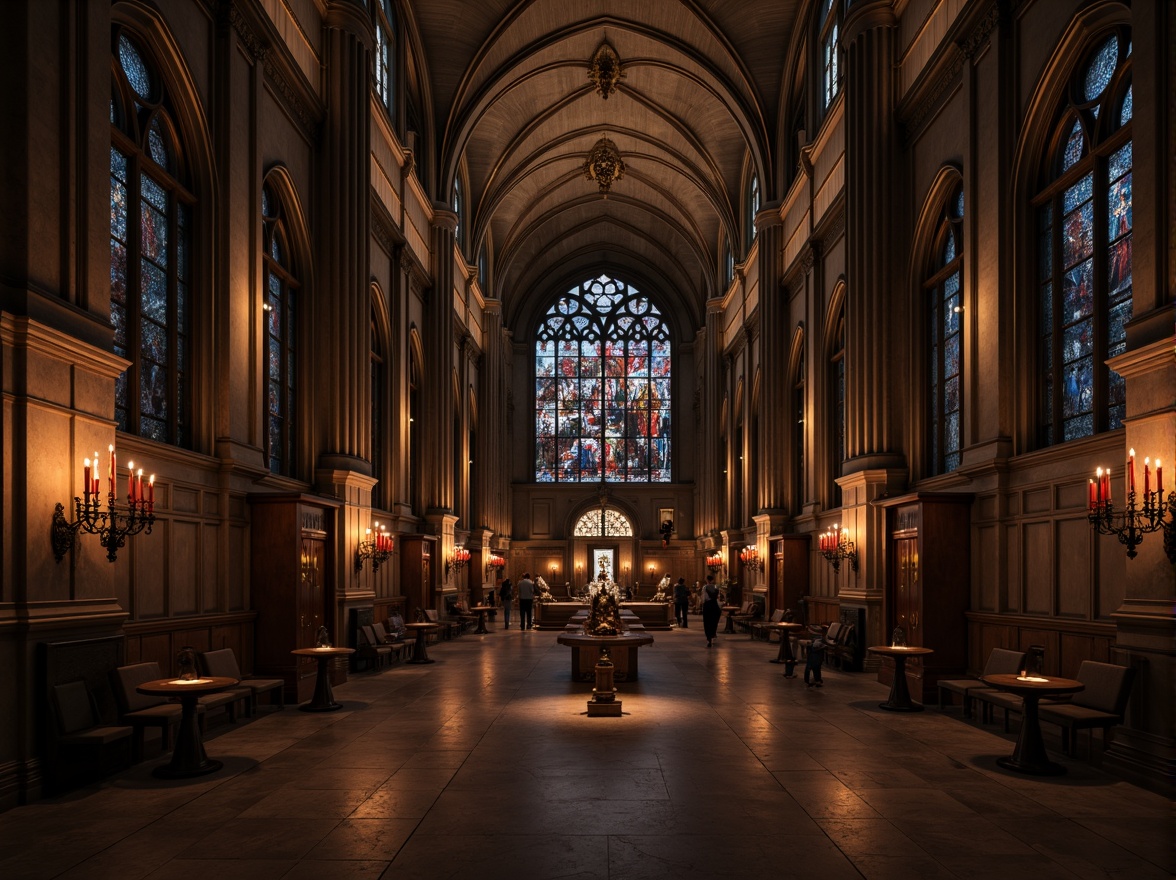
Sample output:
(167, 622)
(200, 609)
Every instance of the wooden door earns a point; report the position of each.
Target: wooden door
(906, 590)
(310, 591)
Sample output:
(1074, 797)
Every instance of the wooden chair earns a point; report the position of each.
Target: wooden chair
(1101, 704)
(829, 633)
(449, 628)
(371, 648)
(223, 662)
(842, 647)
(763, 629)
(1000, 660)
(81, 740)
(140, 710)
(398, 645)
(750, 612)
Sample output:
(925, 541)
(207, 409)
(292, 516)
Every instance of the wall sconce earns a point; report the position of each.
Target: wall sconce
(651, 571)
(835, 545)
(112, 525)
(714, 562)
(376, 546)
(496, 564)
(554, 569)
(1135, 521)
(749, 556)
(458, 561)
(625, 573)
(579, 572)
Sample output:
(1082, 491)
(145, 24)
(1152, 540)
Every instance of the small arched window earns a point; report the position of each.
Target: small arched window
(282, 316)
(151, 207)
(385, 56)
(728, 266)
(945, 347)
(830, 37)
(1084, 248)
(753, 206)
(379, 382)
(602, 387)
(836, 392)
(604, 522)
(458, 209)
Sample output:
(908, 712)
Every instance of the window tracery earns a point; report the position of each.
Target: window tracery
(944, 341)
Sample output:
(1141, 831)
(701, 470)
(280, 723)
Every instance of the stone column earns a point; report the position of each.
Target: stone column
(871, 38)
(775, 385)
(710, 463)
(437, 382)
(342, 337)
(491, 455)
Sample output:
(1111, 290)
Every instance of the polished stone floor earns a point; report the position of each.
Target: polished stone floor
(484, 765)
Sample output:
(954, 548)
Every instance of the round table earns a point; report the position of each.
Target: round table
(419, 653)
(729, 610)
(324, 698)
(785, 655)
(622, 648)
(482, 609)
(1029, 754)
(188, 757)
(900, 696)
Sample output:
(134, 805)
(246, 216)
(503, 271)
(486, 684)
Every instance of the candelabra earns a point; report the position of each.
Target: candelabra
(1134, 521)
(458, 560)
(714, 562)
(835, 545)
(113, 525)
(750, 558)
(375, 547)
(495, 565)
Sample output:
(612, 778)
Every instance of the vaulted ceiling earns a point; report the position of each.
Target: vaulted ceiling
(695, 112)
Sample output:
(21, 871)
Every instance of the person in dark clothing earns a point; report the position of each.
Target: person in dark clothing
(526, 602)
(506, 594)
(711, 610)
(681, 602)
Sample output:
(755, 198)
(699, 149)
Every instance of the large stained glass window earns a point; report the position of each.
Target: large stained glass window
(385, 56)
(944, 343)
(830, 51)
(281, 337)
(1084, 249)
(150, 252)
(602, 387)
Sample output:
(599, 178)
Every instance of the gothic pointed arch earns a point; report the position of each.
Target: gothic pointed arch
(835, 390)
(603, 392)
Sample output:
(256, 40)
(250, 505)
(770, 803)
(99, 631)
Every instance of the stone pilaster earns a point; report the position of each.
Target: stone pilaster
(711, 465)
(871, 64)
(342, 313)
(437, 383)
(774, 408)
(491, 456)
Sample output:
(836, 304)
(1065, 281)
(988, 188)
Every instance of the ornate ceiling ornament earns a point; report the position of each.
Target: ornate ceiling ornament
(604, 165)
(605, 70)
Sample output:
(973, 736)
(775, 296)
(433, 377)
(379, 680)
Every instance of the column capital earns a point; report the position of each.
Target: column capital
(443, 218)
(864, 17)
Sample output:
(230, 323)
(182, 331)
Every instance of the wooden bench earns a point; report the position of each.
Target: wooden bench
(1000, 660)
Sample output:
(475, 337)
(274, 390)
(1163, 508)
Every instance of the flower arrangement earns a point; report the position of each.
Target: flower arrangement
(544, 591)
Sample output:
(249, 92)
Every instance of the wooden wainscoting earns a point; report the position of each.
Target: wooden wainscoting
(160, 640)
(1067, 642)
(821, 609)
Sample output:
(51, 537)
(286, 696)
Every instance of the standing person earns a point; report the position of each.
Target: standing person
(681, 603)
(711, 610)
(506, 594)
(526, 592)
(816, 656)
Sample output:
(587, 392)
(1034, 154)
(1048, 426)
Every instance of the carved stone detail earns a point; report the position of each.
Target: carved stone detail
(605, 70)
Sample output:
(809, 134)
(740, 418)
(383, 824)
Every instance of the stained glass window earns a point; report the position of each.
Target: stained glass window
(385, 56)
(831, 51)
(944, 390)
(150, 243)
(753, 206)
(606, 521)
(602, 387)
(281, 309)
(1084, 250)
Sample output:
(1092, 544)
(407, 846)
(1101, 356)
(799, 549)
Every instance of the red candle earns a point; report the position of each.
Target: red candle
(1107, 493)
(86, 479)
(151, 494)
(110, 476)
(94, 475)
(1146, 478)
(1159, 478)
(131, 482)
(139, 486)
(1090, 494)
(1131, 471)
